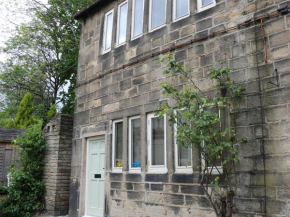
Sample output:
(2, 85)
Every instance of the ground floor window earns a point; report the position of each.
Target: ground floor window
(156, 133)
(117, 150)
(135, 144)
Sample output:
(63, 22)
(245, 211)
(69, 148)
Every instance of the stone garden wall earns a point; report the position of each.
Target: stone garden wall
(58, 134)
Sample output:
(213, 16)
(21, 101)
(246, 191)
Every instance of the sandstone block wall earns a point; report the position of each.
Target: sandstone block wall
(58, 133)
(264, 114)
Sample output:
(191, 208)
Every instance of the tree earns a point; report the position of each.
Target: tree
(198, 120)
(24, 116)
(52, 111)
(42, 56)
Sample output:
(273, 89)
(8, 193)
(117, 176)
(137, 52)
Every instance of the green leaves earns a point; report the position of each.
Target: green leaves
(42, 57)
(24, 116)
(199, 118)
(26, 189)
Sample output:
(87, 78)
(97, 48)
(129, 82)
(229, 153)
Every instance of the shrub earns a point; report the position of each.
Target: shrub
(24, 116)
(26, 189)
(52, 111)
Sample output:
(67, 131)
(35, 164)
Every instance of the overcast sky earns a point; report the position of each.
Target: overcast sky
(12, 14)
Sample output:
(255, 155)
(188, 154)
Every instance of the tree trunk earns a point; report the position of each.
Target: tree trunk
(229, 208)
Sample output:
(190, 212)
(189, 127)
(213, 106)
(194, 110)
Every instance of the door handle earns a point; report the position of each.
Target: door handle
(98, 176)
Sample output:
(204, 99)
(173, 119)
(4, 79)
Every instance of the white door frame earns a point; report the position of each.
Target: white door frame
(87, 173)
(84, 170)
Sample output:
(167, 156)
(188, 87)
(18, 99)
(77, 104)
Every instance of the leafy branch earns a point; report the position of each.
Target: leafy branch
(199, 119)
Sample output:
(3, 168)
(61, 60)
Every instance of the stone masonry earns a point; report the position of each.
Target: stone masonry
(263, 187)
(58, 134)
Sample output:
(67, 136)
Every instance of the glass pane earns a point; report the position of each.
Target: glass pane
(109, 29)
(118, 144)
(138, 18)
(209, 162)
(136, 143)
(184, 156)
(158, 13)
(181, 8)
(206, 2)
(157, 141)
(122, 23)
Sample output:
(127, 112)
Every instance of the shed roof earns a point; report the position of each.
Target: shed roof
(92, 8)
(6, 135)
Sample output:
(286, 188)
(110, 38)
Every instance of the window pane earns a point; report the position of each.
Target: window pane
(136, 143)
(158, 12)
(181, 8)
(138, 18)
(209, 163)
(122, 23)
(118, 144)
(206, 2)
(157, 141)
(109, 29)
(184, 156)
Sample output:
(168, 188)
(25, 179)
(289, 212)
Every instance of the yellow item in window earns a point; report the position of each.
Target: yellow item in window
(120, 163)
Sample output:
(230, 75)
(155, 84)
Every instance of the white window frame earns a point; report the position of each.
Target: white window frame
(133, 21)
(118, 24)
(115, 169)
(201, 8)
(150, 17)
(181, 169)
(175, 19)
(105, 32)
(156, 168)
(132, 169)
(218, 169)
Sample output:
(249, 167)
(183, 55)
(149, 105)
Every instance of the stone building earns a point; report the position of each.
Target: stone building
(118, 167)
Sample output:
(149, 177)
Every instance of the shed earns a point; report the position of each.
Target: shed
(7, 151)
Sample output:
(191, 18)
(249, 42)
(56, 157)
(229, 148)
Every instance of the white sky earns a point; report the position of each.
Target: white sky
(12, 13)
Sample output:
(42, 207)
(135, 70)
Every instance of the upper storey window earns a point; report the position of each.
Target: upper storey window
(180, 9)
(137, 18)
(108, 31)
(157, 16)
(203, 5)
(122, 23)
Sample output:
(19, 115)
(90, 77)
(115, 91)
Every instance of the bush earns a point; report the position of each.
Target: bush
(26, 189)
(3, 189)
(24, 116)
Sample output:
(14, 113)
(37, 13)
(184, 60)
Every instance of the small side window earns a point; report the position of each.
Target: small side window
(157, 17)
(180, 9)
(203, 5)
(108, 31)
(117, 149)
(135, 144)
(156, 132)
(122, 23)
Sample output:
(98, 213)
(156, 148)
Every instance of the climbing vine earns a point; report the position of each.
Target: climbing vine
(200, 122)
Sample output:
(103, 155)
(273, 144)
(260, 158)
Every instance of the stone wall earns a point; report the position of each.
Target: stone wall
(264, 113)
(58, 133)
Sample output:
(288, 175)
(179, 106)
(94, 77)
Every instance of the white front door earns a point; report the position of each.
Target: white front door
(95, 177)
